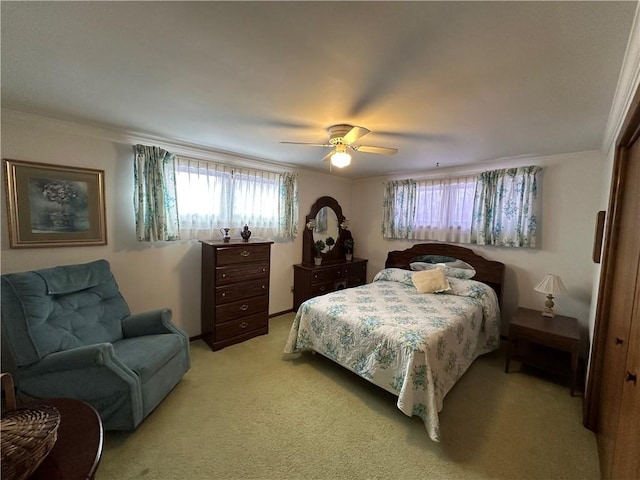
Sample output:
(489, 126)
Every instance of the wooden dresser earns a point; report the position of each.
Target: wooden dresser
(310, 281)
(235, 292)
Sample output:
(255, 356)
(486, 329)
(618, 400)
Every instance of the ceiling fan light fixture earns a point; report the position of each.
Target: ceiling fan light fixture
(340, 158)
(343, 138)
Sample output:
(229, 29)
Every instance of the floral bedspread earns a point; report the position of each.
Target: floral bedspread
(414, 345)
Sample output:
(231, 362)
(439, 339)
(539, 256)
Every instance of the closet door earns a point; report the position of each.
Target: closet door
(625, 321)
(626, 463)
(618, 419)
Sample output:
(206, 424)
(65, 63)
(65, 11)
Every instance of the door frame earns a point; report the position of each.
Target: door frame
(629, 134)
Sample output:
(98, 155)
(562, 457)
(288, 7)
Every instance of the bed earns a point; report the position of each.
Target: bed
(412, 344)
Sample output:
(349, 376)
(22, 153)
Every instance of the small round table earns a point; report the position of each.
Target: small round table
(77, 451)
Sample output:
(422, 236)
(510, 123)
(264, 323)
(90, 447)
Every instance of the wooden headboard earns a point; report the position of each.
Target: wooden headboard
(487, 271)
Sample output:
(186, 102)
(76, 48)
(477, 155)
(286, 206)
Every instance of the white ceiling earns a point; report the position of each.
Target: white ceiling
(454, 83)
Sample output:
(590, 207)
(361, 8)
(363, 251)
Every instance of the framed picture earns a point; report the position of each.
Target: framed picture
(54, 205)
(597, 240)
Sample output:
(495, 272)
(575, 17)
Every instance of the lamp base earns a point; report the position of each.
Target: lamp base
(548, 307)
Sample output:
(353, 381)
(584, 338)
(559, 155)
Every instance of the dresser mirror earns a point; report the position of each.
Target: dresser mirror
(326, 225)
(323, 221)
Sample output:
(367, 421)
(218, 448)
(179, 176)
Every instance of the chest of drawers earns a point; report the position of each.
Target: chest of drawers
(235, 292)
(310, 281)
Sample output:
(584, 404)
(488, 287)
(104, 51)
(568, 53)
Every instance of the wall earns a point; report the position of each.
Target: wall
(168, 274)
(149, 275)
(570, 197)
(628, 84)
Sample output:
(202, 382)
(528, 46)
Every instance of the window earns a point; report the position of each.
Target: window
(444, 210)
(497, 207)
(429, 209)
(180, 198)
(211, 196)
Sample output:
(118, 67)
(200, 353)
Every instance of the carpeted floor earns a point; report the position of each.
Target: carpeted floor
(245, 413)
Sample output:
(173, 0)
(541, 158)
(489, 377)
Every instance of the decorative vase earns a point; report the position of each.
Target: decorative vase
(61, 221)
(317, 260)
(245, 233)
(348, 256)
(226, 238)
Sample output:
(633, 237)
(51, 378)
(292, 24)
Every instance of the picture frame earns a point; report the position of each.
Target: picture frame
(597, 240)
(54, 205)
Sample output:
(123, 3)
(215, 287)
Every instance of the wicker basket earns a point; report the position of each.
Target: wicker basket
(27, 435)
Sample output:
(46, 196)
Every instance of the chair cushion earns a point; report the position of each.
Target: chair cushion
(74, 278)
(87, 308)
(146, 355)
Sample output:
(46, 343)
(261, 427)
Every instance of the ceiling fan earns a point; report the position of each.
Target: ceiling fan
(343, 138)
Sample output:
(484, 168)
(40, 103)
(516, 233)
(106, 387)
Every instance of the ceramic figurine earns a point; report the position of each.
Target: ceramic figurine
(245, 233)
(225, 235)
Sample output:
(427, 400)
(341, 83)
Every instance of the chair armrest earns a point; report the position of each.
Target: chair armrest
(87, 356)
(149, 323)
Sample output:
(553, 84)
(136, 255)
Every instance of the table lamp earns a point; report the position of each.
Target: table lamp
(551, 285)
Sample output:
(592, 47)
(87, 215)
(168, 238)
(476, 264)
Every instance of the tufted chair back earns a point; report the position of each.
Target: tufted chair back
(55, 309)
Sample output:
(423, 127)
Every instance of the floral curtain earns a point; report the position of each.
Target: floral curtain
(288, 211)
(155, 195)
(399, 206)
(505, 208)
(444, 208)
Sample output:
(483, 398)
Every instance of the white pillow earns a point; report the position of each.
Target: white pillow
(431, 281)
(463, 273)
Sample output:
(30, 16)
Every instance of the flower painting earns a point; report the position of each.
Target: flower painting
(53, 205)
(58, 205)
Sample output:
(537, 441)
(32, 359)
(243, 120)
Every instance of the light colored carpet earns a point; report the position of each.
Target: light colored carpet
(245, 413)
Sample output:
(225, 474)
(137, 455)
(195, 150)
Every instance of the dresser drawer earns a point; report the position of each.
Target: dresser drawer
(237, 273)
(310, 281)
(319, 276)
(239, 326)
(238, 291)
(242, 308)
(321, 288)
(359, 269)
(243, 254)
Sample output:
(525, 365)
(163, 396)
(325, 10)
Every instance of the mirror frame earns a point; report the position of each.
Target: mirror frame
(336, 254)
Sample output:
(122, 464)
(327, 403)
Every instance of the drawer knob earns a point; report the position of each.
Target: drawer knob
(339, 272)
(264, 269)
(224, 275)
(264, 287)
(619, 341)
(322, 289)
(244, 307)
(631, 377)
(224, 294)
(243, 325)
(244, 253)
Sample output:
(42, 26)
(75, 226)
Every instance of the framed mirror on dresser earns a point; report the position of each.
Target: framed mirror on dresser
(326, 221)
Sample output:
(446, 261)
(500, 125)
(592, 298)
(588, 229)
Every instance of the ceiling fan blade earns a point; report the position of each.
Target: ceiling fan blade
(372, 149)
(311, 144)
(354, 134)
(328, 156)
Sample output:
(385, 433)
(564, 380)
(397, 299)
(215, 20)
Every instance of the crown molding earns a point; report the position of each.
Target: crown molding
(628, 81)
(126, 137)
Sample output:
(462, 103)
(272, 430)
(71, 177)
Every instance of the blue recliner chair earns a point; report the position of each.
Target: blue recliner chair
(68, 332)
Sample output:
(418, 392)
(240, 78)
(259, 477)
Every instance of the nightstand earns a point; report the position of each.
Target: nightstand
(528, 329)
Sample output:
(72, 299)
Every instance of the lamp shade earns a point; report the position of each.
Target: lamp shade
(551, 284)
